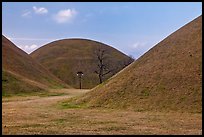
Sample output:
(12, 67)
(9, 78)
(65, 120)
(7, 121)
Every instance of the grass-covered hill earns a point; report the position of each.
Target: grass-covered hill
(21, 73)
(167, 77)
(64, 58)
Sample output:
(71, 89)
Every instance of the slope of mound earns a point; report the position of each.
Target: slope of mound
(19, 66)
(12, 84)
(167, 77)
(64, 58)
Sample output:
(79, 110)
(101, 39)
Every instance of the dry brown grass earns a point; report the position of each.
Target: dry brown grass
(44, 115)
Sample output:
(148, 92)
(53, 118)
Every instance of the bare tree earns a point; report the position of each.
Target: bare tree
(103, 67)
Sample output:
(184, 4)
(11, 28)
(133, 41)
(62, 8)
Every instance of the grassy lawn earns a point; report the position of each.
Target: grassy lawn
(52, 114)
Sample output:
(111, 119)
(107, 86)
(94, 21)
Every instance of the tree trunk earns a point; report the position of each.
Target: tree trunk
(100, 78)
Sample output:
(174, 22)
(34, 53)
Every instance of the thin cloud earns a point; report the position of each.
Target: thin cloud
(40, 10)
(64, 16)
(139, 45)
(28, 48)
(26, 14)
(31, 47)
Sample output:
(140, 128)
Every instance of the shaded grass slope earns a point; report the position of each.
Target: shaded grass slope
(21, 72)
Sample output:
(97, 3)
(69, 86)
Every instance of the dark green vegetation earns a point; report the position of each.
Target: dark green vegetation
(64, 58)
(166, 78)
(22, 74)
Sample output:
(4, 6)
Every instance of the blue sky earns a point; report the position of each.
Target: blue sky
(131, 27)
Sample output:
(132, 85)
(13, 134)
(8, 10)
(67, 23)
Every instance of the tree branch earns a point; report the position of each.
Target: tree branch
(96, 72)
(107, 73)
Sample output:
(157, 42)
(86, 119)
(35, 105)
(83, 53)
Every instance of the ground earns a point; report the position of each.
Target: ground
(47, 115)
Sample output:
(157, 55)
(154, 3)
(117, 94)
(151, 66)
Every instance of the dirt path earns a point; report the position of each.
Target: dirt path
(43, 115)
(43, 101)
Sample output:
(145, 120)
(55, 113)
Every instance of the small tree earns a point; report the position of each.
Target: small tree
(103, 67)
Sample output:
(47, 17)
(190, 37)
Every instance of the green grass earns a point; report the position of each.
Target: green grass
(113, 128)
(13, 86)
(102, 122)
(68, 105)
(47, 94)
(139, 110)
(65, 105)
(160, 87)
(145, 92)
(54, 84)
(60, 121)
(43, 93)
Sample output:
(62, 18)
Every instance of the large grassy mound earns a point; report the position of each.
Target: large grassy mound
(64, 58)
(167, 77)
(22, 73)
